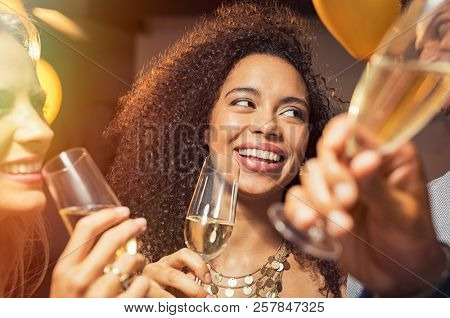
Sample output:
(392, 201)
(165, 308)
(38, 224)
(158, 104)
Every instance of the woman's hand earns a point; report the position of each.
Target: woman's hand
(169, 280)
(391, 246)
(80, 269)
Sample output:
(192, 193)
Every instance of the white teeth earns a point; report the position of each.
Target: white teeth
(261, 154)
(22, 168)
(14, 169)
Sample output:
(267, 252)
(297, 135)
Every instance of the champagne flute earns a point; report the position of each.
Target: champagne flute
(211, 215)
(404, 85)
(406, 82)
(79, 189)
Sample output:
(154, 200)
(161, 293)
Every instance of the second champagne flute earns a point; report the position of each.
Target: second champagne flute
(211, 215)
(79, 189)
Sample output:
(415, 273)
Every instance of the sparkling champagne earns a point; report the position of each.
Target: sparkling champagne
(72, 215)
(394, 100)
(207, 236)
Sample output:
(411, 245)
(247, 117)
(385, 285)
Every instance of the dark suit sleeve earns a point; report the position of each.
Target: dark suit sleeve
(443, 291)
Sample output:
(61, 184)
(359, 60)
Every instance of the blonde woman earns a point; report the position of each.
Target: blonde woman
(24, 140)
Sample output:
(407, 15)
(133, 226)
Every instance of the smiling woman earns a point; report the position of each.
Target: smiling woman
(24, 140)
(264, 102)
(241, 84)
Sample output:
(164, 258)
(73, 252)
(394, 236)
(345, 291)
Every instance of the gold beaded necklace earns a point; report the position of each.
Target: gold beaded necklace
(265, 282)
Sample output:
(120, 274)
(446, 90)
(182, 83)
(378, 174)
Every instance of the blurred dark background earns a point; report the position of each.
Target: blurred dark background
(118, 37)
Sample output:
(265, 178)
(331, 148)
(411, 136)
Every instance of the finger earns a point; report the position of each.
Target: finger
(298, 210)
(87, 230)
(343, 186)
(404, 167)
(365, 166)
(109, 285)
(106, 286)
(129, 264)
(191, 275)
(113, 239)
(337, 132)
(170, 277)
(375, 191)
(187, 258)
(156, 291)
(316, 188)
(139, 288)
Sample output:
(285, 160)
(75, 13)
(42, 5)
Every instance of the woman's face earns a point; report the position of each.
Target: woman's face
(24, 136)
(261, 119)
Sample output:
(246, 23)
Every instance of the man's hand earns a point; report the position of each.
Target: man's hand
(377, 207)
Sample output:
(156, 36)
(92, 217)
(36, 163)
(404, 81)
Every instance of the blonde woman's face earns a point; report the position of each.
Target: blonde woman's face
(24, 135)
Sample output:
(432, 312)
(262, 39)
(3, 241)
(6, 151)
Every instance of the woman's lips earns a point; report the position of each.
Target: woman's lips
(257, 164)
(24, 178)
(24, 171)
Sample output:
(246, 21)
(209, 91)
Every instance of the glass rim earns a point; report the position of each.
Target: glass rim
(83, 153)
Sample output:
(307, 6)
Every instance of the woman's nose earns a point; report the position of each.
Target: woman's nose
(31, 128)
(266, 125)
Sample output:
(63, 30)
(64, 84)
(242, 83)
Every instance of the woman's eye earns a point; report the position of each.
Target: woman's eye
(38, 102)
(295, 113)
(243, 102)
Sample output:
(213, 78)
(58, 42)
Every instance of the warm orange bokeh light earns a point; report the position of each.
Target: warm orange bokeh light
(51, 84)
(358, 25)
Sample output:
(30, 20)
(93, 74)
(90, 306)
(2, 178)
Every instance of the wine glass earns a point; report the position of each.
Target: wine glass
(211, 215)
(79, 189)
(404, 85)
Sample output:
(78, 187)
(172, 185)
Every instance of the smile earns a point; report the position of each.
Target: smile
(25, 172)
(22, 168)
(265, 156)
(260, 157)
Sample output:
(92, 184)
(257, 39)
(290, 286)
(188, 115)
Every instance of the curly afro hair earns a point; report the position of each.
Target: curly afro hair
(160, 128)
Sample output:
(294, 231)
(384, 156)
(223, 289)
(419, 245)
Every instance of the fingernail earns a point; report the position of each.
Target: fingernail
(207, 278)
(209, 296)
(141, 222)
(343, 191)
(304, 217)
(122, 210)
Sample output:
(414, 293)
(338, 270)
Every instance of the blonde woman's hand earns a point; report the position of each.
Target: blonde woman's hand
(168, 279)
(91, 248)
